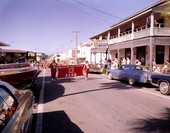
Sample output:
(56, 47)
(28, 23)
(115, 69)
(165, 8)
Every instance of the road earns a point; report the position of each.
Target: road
(98, 105)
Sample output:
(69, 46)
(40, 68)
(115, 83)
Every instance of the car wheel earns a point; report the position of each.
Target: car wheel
(164, 88)
(131, 81)
(110, 76)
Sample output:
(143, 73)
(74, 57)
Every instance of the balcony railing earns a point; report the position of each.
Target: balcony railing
(160, 29)
(140, 32)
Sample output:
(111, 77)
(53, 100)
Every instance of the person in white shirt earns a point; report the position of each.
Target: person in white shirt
(137, 62)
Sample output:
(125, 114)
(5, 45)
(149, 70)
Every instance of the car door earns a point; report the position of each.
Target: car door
(117, 72)
(140, 75)
(125, 72)
(7, 110)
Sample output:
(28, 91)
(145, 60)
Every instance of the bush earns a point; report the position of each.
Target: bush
(30, 60)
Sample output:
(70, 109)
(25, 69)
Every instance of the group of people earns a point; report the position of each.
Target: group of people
(165, 69)
(113, 64)
(54, 69)
(7, 59)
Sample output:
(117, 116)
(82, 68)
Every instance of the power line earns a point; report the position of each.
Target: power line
(84, 12)
(97, 10)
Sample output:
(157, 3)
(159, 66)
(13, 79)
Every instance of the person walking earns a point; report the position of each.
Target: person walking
(54, 68)
(127, 61)
(86, 68)
(43, 64)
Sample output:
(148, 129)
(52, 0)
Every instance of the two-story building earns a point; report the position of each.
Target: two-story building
(83, 52)
(133, 38)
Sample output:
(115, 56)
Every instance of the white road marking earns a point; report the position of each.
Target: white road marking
(40, 107)
(159, 95)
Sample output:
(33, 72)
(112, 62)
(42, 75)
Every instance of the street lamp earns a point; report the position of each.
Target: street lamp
(76, 32)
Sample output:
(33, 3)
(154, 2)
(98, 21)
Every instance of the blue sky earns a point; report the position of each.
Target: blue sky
(47, 25)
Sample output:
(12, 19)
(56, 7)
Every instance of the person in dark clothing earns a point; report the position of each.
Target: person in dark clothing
(54, 68)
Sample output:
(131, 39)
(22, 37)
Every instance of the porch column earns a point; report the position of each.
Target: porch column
(152, 24)
(133, 27)
(118, 54)
(95, 58)
(108, 36)
(90, 56)
(101, 56)
(131, 58)
(119, 34)
(151, 56)
(100, 38)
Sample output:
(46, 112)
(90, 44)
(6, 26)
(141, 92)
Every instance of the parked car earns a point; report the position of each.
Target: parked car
(130, 73)
(95, 68)
(16, 109)
(162, 81)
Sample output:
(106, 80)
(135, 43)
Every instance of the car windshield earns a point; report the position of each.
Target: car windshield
(142, 68)
(124, 67)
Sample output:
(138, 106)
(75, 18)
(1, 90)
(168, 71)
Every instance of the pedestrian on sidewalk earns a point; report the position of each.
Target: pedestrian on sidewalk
(86, 68)
(44, 65)
(54, 69)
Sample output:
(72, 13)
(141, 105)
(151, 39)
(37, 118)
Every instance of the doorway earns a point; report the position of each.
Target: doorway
(160, 54)
(141, 54)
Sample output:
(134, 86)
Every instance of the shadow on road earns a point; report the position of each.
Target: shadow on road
(153, 125)
(57, 122)
(124, 85)
(104, 86)
(117, 85)
(53, 90)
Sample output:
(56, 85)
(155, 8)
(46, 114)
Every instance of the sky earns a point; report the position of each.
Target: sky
(47, 25)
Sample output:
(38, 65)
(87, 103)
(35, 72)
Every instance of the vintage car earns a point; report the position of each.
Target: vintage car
(95, 68)
(162, 81)
(16, 109)
(130, 73)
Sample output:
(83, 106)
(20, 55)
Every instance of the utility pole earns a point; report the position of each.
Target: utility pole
(76, 32)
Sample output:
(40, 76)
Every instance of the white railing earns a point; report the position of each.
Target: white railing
(125, 37)
(142, 33)
(112, 41)
(163, 31)
(139, 32)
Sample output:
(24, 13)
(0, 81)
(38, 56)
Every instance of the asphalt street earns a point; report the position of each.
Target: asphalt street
(98, 105)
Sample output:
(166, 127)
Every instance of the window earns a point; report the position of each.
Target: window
(124, 68)
(160, 50)
(7, 107)
(138, 68)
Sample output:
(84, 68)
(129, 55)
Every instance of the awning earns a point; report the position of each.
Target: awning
(3, 44)
(12, 51)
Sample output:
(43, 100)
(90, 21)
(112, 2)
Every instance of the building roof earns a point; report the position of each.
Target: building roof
(3, 44)
(12, 51)
(144, 11)
(88, 43)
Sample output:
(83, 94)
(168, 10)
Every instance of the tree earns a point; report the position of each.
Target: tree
(165, 11)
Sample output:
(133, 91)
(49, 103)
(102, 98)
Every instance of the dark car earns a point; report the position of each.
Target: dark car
(162, 81)
(130, 73)
(16, 109)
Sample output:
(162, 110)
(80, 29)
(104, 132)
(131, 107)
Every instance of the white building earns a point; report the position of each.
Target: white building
(84, 52)
(132, 38)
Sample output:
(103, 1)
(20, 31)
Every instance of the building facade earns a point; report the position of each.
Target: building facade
(83, 52)
(144, 36)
